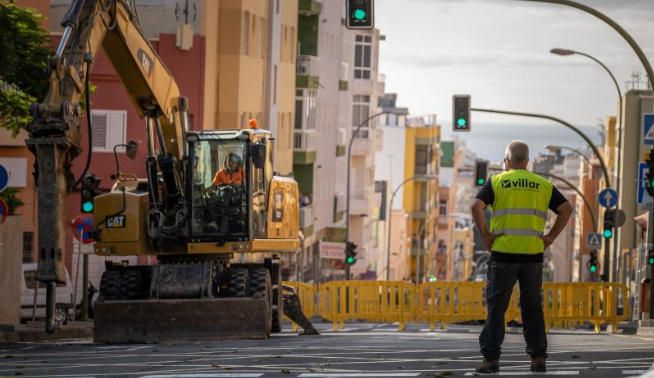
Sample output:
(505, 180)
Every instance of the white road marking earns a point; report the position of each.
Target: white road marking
(326, 375)
(634, 372)
(137, 348)
(206, 375)
(514, 373)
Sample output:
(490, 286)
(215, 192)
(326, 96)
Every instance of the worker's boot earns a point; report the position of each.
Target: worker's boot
(538, 364)
(489, 366)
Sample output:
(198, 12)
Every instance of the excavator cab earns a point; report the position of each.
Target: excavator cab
(231, 175)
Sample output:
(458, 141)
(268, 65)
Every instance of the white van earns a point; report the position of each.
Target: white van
(64, 297)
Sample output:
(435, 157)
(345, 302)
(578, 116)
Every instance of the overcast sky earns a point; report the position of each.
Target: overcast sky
(498, 52)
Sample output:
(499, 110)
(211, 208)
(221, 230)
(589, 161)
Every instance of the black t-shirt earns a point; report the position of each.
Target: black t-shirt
(487, 196)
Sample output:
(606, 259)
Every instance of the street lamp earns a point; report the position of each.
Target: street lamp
(347, 185)
(558, 148)
(568, 52)
(390, 217)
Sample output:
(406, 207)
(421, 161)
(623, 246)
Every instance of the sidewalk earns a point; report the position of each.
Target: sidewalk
(35, 331)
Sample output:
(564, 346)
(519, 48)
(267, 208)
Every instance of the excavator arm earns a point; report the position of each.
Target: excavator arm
(55, 132)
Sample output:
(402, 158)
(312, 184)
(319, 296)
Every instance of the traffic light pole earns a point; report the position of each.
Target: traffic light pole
(347, 185)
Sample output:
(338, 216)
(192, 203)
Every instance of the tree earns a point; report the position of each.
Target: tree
(23, 63)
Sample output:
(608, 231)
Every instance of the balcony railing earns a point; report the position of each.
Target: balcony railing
(303, 140)
(308, 65)
(306, 216)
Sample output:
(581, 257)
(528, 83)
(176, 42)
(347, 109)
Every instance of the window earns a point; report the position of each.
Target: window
(442, 208)
(305, 109)
(245, 42)
(362, 56)
(422, 156)
(360, 112)
(107, 129)
(28, 247)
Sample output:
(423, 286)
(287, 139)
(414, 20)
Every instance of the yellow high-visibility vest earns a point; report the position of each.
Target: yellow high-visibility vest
(520, 211)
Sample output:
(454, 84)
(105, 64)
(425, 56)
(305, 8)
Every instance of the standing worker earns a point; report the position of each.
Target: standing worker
(519, 201)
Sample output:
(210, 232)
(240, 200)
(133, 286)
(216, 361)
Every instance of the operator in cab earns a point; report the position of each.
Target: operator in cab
(231, 173)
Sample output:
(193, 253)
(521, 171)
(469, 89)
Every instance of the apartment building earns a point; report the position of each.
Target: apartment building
(336, 88)
(233, 59)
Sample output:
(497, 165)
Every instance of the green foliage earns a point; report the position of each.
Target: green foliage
(23, 62)
(14, 107)
(10, 196)
(24, 46)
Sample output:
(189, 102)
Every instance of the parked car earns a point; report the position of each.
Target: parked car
(63, 302)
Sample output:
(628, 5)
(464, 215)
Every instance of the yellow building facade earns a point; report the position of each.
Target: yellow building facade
(421, 169)
(250, 68)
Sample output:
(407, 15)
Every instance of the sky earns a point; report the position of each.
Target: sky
(498, 52)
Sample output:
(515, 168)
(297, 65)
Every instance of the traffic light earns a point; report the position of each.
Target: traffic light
(461, 112)
(360, 14)
(609, 223)
(649, 184)
(90, 189)
(650, 257)
(592, 262)
(481, 172)
(350, 253)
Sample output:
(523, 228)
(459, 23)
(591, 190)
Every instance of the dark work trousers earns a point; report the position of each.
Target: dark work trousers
(501, 279)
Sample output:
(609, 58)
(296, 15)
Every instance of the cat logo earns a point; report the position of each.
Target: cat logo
(145, 61)
(520, 184)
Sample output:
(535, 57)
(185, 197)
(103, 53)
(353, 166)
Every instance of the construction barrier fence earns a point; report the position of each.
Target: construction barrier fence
(564, 304)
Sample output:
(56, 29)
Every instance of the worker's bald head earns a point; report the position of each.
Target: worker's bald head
(517, 155)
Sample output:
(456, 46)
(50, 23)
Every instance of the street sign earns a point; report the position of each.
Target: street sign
(4, 211)
(4, 178)
(608, 197)
(83, 227)
(641, 198)
(594, 240)
(648, 128)
(331, 250)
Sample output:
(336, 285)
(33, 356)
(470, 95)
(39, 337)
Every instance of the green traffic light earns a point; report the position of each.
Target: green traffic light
(608, 234)
(461, 122)
(481, 181)
(650, 260)
(87, 207)
(350, 260)
(593, 268)
(359, 14)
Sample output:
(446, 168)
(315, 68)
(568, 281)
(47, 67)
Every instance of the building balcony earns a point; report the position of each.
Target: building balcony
(304, 147)
(360, 202)
(307, 72)
(309, 7)
(307, 65)
(420, 214)
(362, 145)
(306, 216)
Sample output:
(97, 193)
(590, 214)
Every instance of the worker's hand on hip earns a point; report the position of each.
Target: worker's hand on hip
(488, 240)
(547, 240)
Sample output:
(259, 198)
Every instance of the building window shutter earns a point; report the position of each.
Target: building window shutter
(108, 129)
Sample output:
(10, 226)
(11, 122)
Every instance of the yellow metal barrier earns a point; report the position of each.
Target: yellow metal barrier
(307, 294)
(381, 301)
(450, 302)
(564, 304)
(567, 304)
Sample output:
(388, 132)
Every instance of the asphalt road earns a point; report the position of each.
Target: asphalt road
(360, 350)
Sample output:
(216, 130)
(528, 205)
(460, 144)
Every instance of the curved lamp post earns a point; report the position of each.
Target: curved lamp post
(390, 216)
(347, 185)
(568, 52)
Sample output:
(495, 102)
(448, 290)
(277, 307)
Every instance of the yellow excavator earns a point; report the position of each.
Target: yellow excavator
(193, 223)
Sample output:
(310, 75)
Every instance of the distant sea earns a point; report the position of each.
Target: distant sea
(488, 140)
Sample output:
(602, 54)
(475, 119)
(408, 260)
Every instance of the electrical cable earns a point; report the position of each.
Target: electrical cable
(87, 97)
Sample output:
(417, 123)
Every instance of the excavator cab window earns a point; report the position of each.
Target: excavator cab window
(219, 195)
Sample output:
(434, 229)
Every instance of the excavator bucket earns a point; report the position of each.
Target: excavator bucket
(146, 321)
